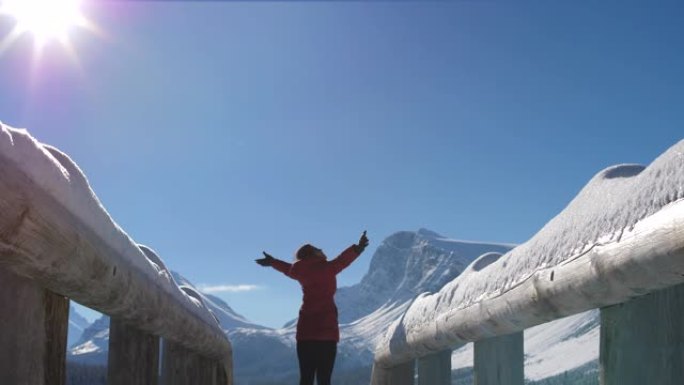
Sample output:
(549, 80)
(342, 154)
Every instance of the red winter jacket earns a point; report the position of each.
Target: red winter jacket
(318, 314)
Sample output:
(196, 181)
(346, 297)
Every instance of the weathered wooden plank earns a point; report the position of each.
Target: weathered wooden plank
(399, 375)
(499, 360)
(133, 355)
(173, 366)
(435, 369)
(642, 341)
(33, 334)
(221, 376)
(206, 371)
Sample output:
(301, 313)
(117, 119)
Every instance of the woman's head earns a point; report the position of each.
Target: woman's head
(308, 251)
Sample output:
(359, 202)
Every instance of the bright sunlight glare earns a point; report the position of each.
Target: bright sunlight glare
(44, 19)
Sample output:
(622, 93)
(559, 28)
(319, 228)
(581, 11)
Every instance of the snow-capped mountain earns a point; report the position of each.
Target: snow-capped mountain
(406, 264)
(93, 345)
(77, 324)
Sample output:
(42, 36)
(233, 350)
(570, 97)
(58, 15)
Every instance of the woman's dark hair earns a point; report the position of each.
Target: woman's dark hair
(306, 251)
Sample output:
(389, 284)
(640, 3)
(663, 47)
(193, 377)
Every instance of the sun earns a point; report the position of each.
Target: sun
(46, 20)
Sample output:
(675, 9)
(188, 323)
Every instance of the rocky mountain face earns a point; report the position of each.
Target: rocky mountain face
(406, 264)
(93, 345)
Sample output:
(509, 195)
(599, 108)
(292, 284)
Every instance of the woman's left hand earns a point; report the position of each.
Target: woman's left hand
(363, 242)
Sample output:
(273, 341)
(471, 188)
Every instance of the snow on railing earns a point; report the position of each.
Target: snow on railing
(618, 246)
(58, 242)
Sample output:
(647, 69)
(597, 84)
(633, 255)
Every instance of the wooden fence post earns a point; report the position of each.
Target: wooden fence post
(33, 334)
(435, 369)
(181, 366)
(500, 360)
(222, 376)
(642, 341)
(133, 355)
(398, 375)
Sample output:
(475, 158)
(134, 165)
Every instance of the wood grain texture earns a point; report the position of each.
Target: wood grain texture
(33, 334)
(133, 355)
(435, 369)
(183, 367)
(642, 341)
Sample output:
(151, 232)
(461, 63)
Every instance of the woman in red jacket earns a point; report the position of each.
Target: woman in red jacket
(317, 329)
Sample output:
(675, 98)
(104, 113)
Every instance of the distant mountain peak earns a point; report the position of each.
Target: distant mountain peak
(406, 264)
(423, 232)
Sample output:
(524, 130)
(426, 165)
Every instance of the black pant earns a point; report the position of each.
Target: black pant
(316, 358)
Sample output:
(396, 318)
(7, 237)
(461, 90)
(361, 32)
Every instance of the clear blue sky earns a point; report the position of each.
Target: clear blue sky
(213, 131)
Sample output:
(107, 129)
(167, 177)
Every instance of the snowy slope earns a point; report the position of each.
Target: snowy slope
(227, 317)
(77, 324)
(551, 348)
(93, 345)
(562, 345)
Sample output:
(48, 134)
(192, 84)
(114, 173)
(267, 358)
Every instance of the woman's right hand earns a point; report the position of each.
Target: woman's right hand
(267, 260)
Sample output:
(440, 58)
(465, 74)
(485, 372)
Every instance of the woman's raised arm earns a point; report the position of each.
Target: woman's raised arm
(275, 263)
(349, 255)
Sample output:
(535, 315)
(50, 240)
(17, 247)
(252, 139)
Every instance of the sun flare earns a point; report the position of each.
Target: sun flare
(44, 19)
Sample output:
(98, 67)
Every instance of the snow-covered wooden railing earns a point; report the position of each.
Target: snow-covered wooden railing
(618, 246)
(57, 242)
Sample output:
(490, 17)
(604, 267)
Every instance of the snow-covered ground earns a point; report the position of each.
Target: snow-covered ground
(551, 348)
